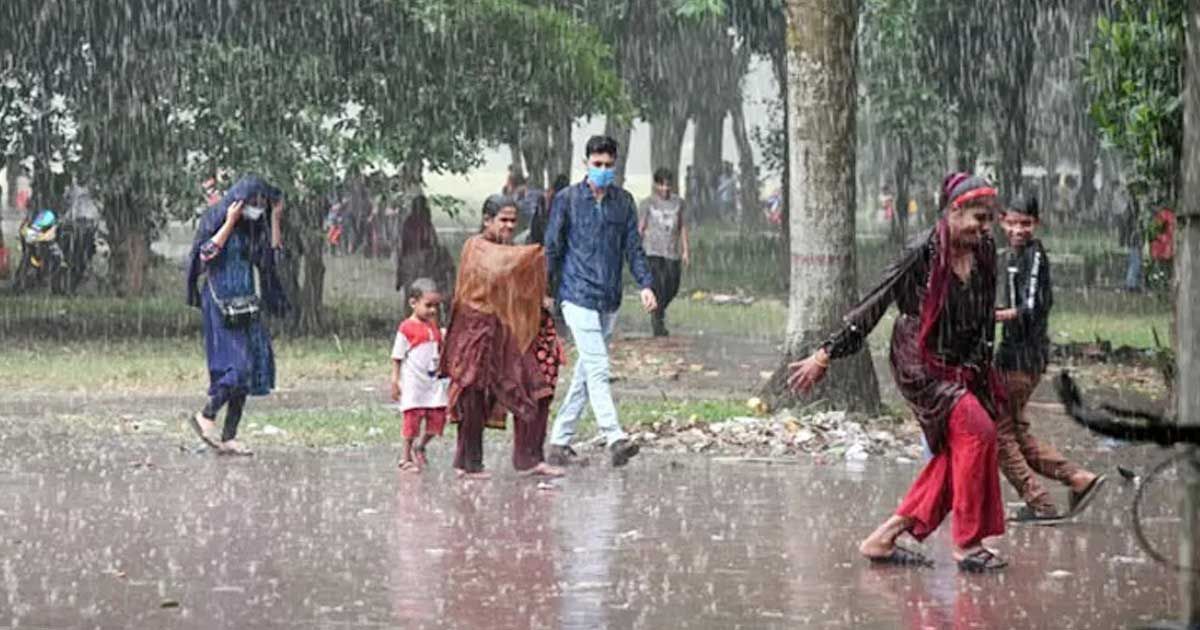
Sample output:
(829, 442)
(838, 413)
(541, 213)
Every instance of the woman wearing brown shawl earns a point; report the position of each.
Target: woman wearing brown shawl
(501, 351)
(944, 285)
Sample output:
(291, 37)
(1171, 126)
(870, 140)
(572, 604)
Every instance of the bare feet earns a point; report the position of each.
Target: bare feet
(480, 475)
(419, 456)
(882, 541)
(233, 447)
(544, 470)
(409, 466)
(1081, 480)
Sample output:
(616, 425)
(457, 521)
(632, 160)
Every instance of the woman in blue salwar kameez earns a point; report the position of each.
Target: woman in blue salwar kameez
(237, 235)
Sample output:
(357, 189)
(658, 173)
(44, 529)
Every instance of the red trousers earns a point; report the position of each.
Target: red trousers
(529, 434)
(963, 479)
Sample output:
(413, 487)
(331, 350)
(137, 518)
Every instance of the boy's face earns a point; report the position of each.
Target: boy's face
(426, 307)
(1018, 227)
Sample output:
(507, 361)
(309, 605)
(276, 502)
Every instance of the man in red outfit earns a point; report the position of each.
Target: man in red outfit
(944, 285)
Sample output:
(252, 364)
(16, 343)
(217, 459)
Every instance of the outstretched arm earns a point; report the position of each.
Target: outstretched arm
(861, 320)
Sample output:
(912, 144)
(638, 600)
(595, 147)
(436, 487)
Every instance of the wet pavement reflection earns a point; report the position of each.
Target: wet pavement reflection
(136, 534)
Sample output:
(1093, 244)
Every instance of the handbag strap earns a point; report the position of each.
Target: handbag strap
(213, 291)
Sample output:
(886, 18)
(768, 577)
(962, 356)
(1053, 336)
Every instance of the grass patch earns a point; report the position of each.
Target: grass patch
(160, 365)
(323, 428)
(765, 319)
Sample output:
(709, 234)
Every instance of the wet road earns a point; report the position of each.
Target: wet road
(103, 534)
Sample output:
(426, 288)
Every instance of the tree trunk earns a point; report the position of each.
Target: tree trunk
(1187, 320)
(309, 302)
(515, 163)
(12, 171)
(821, 126)
(1089, 151)
(966, 149)
(412, 177)
(707, 149)
(535, 147)
(749, 172)
(1012, 142)
(622, 133)
(562, 151)
(785, 214)
(666, 139)
(903, 177)
(129, 238)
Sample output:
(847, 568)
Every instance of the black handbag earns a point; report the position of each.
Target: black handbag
(237, 312)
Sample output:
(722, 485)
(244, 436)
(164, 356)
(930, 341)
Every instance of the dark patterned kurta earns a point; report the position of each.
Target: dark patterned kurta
(963, 334)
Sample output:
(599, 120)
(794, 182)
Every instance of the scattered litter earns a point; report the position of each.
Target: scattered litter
(856, 453)
(271, 429)
(1060, 574)
(849, 437)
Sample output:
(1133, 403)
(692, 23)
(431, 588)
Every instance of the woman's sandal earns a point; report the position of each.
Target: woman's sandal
(206, 437)
(1080, 500)
(902, 557)
(981, 561)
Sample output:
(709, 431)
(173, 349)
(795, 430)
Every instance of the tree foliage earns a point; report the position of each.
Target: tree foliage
(161, 93)
(1134, 74)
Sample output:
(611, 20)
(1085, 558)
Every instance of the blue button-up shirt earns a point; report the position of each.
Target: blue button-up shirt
(586, 241)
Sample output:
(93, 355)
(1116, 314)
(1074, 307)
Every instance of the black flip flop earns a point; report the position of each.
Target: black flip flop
(1028, 515)
(1080, 500)
(981, 561)
(902, 557)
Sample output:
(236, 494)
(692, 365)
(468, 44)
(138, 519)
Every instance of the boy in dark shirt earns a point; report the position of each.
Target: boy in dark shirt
(1022, 357)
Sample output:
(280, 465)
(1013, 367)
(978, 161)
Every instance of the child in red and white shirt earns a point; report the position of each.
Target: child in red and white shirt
(415, 383)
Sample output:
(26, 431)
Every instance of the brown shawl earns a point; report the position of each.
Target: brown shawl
(508, 281)
(498, 336)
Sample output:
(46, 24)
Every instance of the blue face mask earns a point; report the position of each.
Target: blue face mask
(601, 176)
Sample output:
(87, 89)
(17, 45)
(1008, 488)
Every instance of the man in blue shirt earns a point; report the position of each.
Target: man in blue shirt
(593, 229)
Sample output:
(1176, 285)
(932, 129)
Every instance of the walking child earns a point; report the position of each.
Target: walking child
(1022, 359)
(416, 354)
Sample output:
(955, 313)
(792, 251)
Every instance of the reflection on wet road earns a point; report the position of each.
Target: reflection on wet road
(135, 535)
